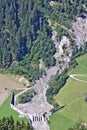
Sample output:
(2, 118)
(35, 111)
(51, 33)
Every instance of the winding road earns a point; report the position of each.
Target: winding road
(73, 76)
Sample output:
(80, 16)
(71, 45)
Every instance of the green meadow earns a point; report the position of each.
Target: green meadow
(84, 78)
(59, 122)
(82, 65)
(11, 82)
(71, 95)
(5, 110)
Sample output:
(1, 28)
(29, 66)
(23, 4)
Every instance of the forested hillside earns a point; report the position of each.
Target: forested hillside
(8, 123)
(25, 34)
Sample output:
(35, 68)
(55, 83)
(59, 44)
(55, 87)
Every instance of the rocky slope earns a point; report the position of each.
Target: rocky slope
(79, 29)
(38, 106)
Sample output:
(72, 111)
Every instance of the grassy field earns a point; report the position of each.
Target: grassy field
(6, 111)
(60, 122)
(84, 78)
(82, 67)
(9, 81)
(72, 94)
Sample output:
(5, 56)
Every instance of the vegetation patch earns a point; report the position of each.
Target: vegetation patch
(7, 123)
(72, 94)
(83, 78)
(5, 110)
(32, 34)
(55, 85)
(82, 65)
(60, 122)
(26, 96)
(79, 125)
